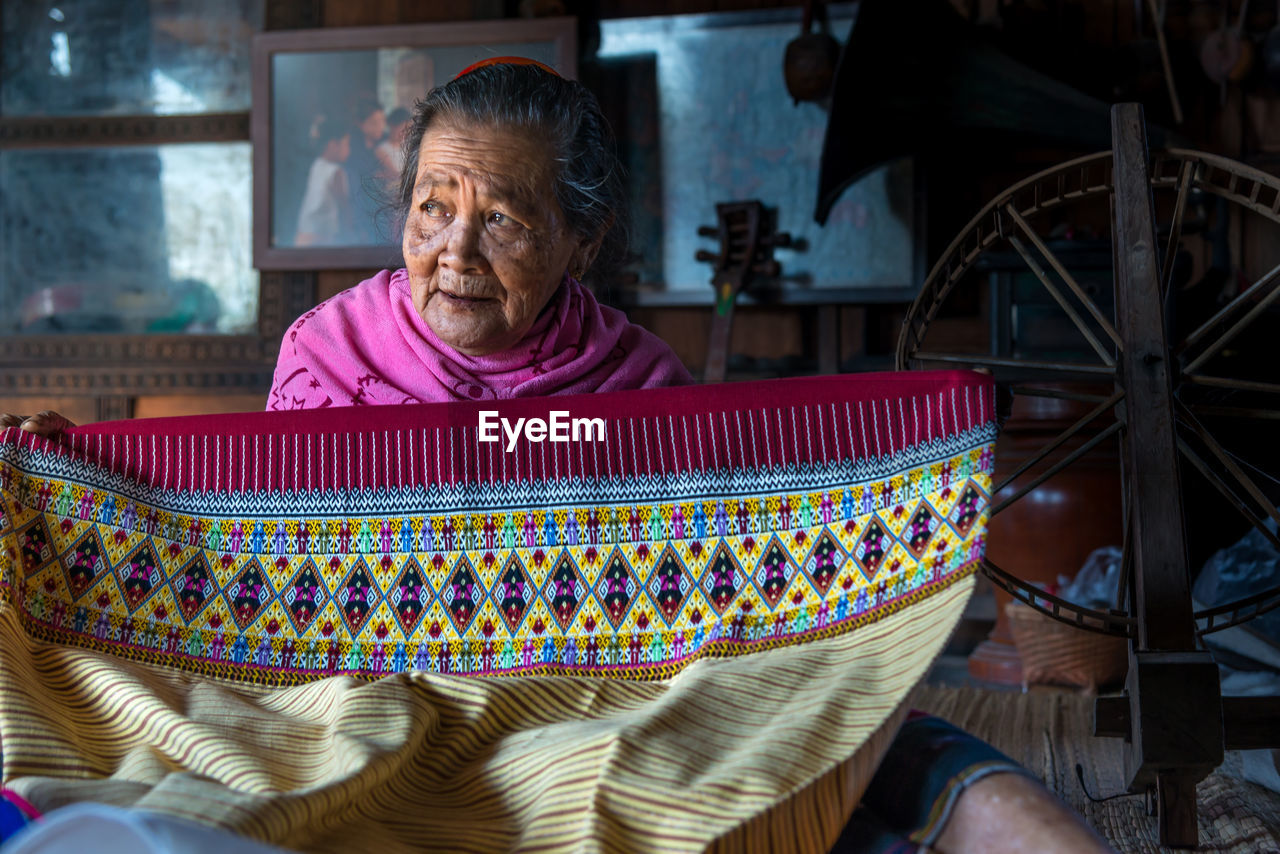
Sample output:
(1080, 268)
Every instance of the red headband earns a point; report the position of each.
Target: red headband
(505, 60)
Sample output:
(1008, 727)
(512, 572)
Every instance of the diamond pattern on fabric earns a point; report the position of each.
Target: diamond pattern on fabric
(462, 594)
(670, 585)
(920, 530)
(564, 591)
(967, 509)
(773, 575)
(824, 562)
(140, 574)
(722, 578)
(616, 588)
(248, 594)
(83, 563)
(872, 547)
(410, 596)
(304, 595)
(513, 593)
(357, 596)
(194, 586)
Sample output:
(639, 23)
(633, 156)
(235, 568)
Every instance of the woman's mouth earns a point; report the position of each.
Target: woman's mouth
(465, 300)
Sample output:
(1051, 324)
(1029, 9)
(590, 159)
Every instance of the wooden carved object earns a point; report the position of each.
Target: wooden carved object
(747, 240)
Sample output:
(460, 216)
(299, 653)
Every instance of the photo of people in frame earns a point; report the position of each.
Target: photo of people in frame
(339, 121)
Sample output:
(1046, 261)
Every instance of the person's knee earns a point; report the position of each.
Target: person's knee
(1012, 812)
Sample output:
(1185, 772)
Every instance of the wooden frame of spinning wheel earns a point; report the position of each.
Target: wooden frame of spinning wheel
(1172, 715)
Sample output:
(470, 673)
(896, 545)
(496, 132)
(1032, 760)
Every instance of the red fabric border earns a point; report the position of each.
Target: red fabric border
(757, 425)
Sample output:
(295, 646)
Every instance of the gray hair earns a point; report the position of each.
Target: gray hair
(588, 180)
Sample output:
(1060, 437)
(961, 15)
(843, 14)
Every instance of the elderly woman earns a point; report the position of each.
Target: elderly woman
(509, 194)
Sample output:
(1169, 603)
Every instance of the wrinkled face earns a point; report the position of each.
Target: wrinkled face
(485, 242)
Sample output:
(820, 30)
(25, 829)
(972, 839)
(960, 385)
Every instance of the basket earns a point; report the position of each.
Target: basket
(1054, 653)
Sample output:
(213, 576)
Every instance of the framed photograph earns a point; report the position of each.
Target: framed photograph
(330, 108)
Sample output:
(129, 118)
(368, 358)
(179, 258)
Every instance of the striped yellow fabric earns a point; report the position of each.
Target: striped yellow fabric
(767, 752)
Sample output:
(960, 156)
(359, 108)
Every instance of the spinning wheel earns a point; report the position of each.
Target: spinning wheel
(1166, 389)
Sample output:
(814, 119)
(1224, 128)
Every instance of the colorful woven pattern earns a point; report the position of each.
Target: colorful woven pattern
(667, 526)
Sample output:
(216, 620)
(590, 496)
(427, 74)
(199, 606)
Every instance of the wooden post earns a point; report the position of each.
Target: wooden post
(1163, 587)
(1175, 700)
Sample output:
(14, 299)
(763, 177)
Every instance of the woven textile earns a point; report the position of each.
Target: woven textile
(690, 623)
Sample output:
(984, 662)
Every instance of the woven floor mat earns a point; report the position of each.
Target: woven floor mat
(1048, 732)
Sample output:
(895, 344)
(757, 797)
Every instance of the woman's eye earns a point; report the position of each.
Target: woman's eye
(501, 220)
(433, 209)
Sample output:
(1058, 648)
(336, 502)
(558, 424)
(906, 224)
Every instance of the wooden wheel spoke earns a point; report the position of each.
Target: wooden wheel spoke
(1000, 362)
(1235, 385)
(1092, 178)
(1243, 480)
(1241, 611)
(1066, 306)
(1119, 625)
(1175, 231)
(1230, 494)
(1059, 466)
(1070, 282)
(1234, 412)
(1269, 280)
(1056, 394)
(1062, 437)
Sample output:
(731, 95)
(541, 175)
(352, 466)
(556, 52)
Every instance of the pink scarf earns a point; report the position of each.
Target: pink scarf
(368, 345)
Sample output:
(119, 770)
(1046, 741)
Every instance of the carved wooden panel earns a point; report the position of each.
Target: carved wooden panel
(98, 365)
(48, 132)
(114, 407)
(284, 297)
(96, 381)
(23, 351)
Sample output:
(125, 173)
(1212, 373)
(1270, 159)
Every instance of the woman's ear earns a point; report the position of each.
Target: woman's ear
(585, 255)
(581, 261)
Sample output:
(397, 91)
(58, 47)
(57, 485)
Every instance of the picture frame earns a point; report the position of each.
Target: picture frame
(322, 203)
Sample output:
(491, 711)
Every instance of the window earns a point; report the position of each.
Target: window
(125, 172)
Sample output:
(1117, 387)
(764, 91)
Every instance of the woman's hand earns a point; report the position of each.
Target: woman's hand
(47, 423)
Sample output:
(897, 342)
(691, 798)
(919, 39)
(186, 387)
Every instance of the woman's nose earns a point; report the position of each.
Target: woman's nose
(462, 253)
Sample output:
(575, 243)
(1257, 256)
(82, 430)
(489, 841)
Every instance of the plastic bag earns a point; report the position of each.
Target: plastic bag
(1095, 584)
(1250, 566)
